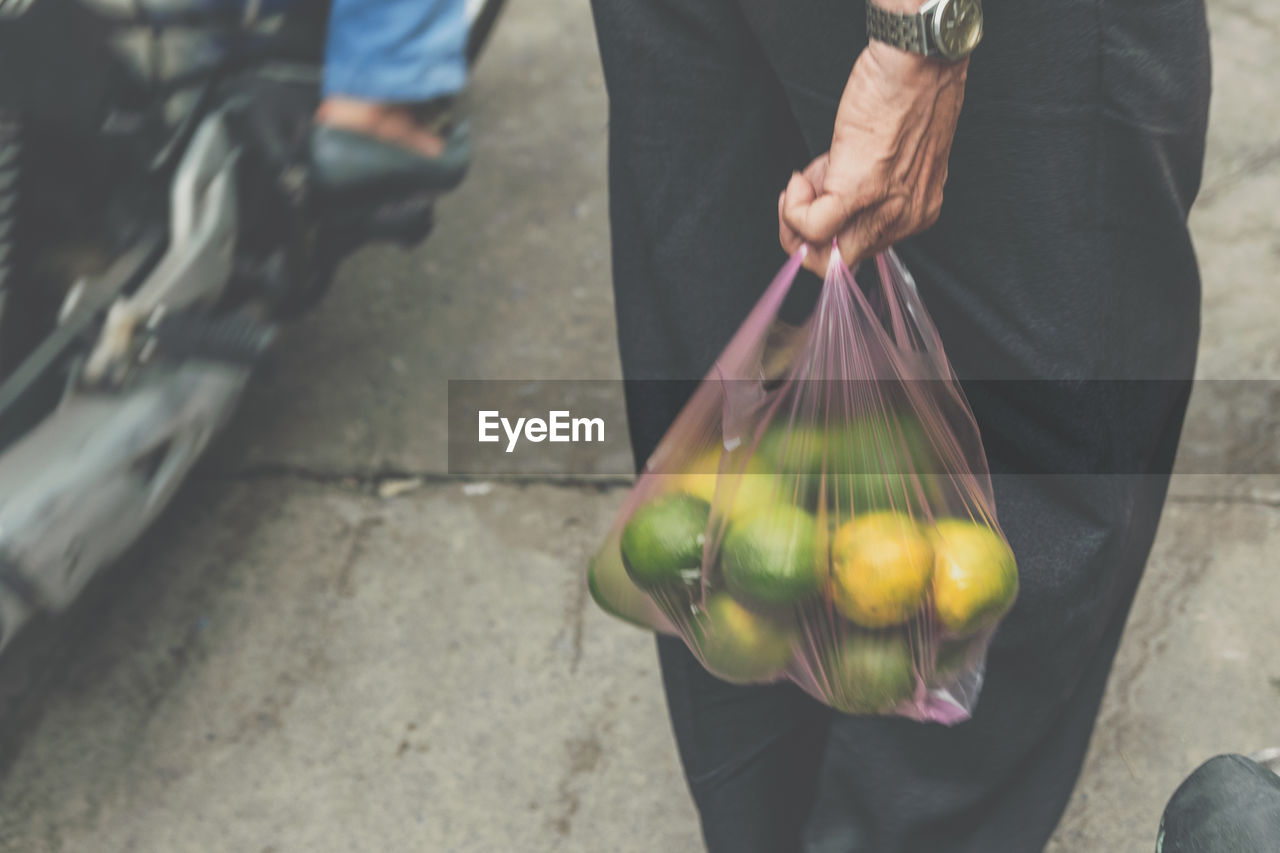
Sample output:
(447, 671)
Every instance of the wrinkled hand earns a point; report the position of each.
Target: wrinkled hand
(882, 179)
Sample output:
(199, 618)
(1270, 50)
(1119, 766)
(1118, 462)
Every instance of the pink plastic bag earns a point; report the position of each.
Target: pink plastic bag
(821, 510)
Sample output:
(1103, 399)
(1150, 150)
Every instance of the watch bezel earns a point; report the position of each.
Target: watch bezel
(935, 30)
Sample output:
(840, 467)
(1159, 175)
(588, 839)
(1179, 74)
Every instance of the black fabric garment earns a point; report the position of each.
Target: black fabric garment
(1230, 803)
(1061, 253)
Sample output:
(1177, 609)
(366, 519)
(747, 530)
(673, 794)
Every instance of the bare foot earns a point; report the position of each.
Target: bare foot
(399, 124)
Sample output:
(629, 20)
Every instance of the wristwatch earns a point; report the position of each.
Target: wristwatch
(945, 29)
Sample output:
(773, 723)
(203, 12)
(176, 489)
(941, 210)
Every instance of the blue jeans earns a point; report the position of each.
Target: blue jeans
(396, 51)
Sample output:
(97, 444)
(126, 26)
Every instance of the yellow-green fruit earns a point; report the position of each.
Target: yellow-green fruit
(858, 466)
(870, 672)
(700, 477)
(754, 493)
(615, 592)
(773, 556)
(880, 569)
(662, 542)
(739, 645)
(975, 578)
(744, 493)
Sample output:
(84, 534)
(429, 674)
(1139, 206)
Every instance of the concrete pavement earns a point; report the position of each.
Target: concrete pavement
(294, 663)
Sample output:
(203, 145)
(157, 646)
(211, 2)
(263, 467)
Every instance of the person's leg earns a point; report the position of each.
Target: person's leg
(396, 51)
(1061, 253)
(750, 753)
(1039, 269)
(700, 140)
(391, 68)
(1229, 803)
(699, 144)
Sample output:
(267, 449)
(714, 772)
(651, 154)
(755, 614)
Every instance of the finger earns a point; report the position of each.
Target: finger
(789, 239)
(816, 173)
(815, 219)
(798, 200)
(798, 190)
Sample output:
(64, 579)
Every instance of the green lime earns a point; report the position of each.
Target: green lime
(870, 672)
(867, 464)
(774, 556)
(873, 463)
(662, 542)
(792, 450)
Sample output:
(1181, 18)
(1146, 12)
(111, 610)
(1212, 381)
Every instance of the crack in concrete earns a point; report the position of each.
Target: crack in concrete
(584, 755)
(359, 532)
(574, 622)
(367, 481)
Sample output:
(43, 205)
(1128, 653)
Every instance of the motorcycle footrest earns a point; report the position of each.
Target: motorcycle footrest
(233, 338)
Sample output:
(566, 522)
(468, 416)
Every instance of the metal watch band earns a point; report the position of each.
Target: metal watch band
(905, 32)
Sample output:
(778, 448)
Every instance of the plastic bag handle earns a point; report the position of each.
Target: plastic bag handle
(892, 269)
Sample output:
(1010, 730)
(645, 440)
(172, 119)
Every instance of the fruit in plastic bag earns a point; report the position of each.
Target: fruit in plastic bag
(881, 564)
(662, 543)
(871, 672)
(754, 489)
(975, 578)
(774, 556)
(821, 510)
(742, 645)
(868, 464)
(616, 594)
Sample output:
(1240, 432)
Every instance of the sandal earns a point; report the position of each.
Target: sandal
(348, 162)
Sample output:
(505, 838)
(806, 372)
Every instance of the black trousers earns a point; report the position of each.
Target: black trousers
(1061, 258)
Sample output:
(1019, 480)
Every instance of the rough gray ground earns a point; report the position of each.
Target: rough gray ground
(292, 663)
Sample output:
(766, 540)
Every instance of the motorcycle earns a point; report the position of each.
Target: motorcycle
(158, 224)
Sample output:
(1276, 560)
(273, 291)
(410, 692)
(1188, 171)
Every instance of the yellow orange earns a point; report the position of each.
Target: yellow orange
(975, 578)
(880, 569)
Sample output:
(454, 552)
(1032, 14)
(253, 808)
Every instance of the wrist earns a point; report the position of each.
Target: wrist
(943, 29)
(896, 63)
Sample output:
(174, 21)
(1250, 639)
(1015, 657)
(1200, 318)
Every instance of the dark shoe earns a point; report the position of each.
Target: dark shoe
(345, 162)
(1230, 804)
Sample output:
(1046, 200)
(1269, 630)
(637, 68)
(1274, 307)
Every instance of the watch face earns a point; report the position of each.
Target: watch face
(958, 27)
